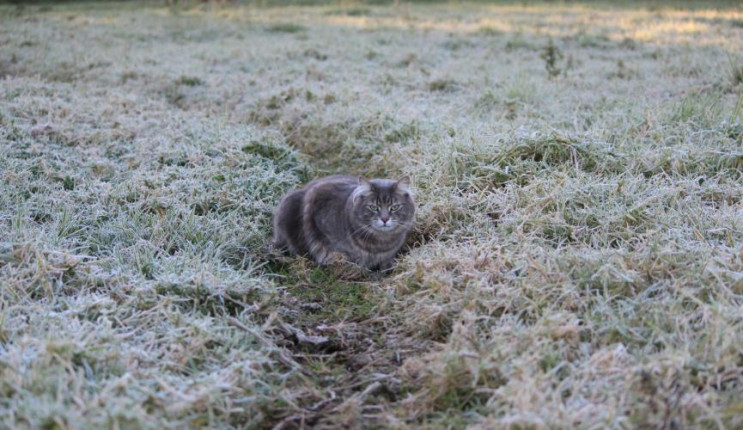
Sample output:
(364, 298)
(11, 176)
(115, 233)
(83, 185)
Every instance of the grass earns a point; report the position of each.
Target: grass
(286, 28)
(575, 262)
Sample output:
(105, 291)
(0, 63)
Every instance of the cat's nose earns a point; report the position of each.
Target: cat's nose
(384, 219)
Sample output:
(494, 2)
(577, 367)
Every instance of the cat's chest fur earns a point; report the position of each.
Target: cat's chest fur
(370, 256)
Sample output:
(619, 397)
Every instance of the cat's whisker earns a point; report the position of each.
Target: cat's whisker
(362, 228)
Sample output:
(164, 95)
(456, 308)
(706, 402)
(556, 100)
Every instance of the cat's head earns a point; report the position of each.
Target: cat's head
(384, 205)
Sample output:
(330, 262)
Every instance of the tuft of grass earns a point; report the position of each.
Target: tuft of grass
(490, 31)
(68, 183)
(698, 110)
(317, 55)
(356, 11)
(735, 72)
(595, 41)
(519, 42)
(442, 85)
(622, 71)
(552, 56)
(286, 27)
(455, 44)
(189, 81)
(487, 102)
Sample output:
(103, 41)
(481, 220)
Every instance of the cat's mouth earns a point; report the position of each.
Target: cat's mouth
(385, 227)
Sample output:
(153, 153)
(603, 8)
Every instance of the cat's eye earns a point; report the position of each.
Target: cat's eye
(372, 208)
(395, 208)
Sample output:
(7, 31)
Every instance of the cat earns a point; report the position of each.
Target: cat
(365, 220)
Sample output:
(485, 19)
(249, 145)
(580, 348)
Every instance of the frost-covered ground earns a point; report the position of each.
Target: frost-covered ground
(577, 261)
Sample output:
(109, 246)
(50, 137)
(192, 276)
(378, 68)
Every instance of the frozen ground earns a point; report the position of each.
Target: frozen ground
(577, 260)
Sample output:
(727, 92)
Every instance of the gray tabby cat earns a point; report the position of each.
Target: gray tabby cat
(366, 220)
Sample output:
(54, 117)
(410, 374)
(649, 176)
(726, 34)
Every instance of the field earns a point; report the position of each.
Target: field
(577, 260)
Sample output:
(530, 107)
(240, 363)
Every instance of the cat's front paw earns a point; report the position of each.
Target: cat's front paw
(330, 258)
(344, 268)
(337, 258)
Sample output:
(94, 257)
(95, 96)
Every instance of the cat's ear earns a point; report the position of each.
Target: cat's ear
(364, 182)
(364, 188)
(403, 184)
